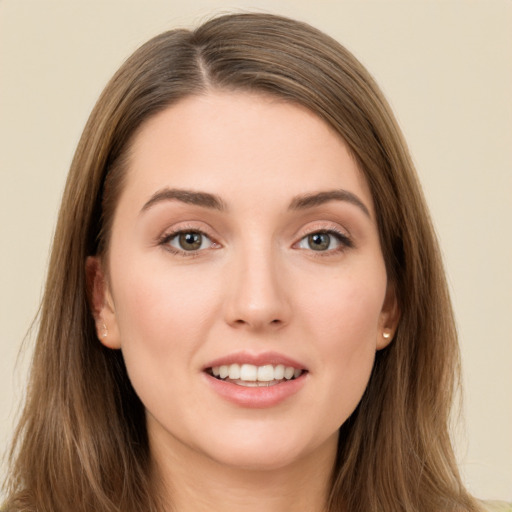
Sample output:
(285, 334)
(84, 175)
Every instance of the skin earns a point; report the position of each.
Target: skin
(255, 285)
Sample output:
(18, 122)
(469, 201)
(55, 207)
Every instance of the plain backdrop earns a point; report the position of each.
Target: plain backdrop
(446, 68)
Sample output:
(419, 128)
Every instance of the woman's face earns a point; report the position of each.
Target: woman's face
(246, 286)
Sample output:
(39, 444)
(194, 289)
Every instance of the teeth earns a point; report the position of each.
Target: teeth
(265, 373)
(234, 371)
(250, 373)
(279, 372)
(223, 371)
(288, 372)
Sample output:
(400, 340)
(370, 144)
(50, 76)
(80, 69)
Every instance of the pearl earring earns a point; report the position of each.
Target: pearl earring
(105, 331)
(386, 335)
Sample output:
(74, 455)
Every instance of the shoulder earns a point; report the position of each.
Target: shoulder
(497, 506)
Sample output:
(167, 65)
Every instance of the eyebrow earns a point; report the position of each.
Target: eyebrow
(203, 199)
(311, 200)
(207, 200)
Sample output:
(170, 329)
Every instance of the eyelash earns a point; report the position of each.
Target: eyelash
(165, 240)
(344, 242)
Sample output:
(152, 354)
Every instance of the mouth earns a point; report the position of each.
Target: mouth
(249, 375)
(256, 381)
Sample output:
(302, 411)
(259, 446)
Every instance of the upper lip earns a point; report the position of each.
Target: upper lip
(273, 358)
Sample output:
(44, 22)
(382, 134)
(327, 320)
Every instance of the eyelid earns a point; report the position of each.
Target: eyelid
(171, 233)
(177, 237)
(342, 235)
(325, 226)
(339, 239)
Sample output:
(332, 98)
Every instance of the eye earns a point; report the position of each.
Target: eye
(322, 241)
(188, 241)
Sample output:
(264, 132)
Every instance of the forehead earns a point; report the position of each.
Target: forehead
(239, 143)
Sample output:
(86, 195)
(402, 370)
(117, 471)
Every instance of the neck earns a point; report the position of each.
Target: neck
(191, 482)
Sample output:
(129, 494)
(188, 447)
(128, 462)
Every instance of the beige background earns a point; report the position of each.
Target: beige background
(446, 68)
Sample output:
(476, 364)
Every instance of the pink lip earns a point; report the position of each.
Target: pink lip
(262, 359)
(255, 397)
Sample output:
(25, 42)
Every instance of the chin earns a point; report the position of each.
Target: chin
(264, 451)
(258, 459)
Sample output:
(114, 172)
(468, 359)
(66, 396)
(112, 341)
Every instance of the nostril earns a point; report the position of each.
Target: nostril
(240, 321)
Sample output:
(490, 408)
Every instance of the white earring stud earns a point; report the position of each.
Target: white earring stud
(104, 334)
(386, 335)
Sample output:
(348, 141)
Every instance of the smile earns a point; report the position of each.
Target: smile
(250, 375)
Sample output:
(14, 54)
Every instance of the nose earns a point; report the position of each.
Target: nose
(257, 297)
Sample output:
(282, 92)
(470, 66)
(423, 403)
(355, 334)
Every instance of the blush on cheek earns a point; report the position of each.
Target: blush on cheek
(353, 314)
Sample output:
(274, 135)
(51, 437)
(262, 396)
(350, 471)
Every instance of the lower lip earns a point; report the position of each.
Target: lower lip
(256, 397)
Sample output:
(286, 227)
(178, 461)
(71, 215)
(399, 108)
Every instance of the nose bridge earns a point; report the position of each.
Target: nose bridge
(257, 295)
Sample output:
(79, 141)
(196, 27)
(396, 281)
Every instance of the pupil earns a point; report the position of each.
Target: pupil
(190, 241)
(319, 241)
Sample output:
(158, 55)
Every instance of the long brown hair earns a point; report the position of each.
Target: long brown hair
(81, 443)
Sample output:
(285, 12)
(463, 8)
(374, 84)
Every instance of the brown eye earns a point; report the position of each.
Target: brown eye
(189, 241)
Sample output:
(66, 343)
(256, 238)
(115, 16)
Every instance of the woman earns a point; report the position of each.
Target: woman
(245, 304)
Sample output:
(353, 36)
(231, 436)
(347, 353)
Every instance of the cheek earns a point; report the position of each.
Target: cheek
(162, 318)
(349, 334)
(345, 311)
(345, 321)
(158, 298)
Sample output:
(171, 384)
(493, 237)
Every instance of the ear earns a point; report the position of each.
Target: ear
(388, 320)
(101, 303)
